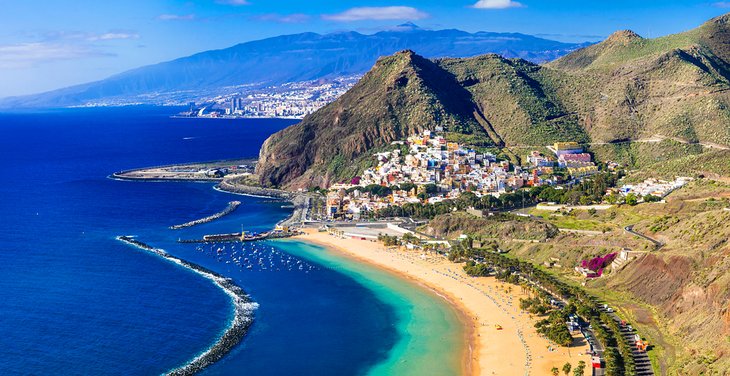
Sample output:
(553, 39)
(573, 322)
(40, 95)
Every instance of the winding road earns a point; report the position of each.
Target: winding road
(657, 243)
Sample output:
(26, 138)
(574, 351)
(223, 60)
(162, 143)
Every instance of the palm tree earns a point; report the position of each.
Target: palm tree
(566, 368)
(578, 371)
(555, 371)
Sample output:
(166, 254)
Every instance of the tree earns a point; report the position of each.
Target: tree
(555, 371)
(652, 198)
(580, 369)
(566, 368)
(613, 198)
(631, 199)
(431, 188)
(410, 238)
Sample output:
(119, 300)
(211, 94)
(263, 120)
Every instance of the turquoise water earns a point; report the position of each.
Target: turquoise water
(75, 301)
(431, 333)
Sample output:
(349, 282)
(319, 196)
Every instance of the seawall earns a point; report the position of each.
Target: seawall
(241, 321)
(254, 191)
(232, 206)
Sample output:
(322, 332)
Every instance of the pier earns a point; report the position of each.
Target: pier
(232, 206)
(241, 237)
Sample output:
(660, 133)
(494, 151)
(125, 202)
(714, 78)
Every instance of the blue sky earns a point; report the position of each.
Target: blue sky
(47, 44)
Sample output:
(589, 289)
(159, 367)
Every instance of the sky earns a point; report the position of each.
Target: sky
(48, 44)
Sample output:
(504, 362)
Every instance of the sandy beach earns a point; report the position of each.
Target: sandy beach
(516, 349)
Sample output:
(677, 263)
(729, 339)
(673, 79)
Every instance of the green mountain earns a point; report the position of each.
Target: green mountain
(403, 94)
(625, 88)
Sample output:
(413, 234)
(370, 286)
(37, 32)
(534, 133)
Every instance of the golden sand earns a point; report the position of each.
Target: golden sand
(485, 303)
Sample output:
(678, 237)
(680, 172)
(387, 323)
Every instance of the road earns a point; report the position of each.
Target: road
(596, 347)
(641, 359)
(657, 243)
(657, 138)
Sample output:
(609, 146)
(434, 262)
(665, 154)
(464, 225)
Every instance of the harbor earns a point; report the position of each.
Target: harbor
(212, 171)
(280, 232)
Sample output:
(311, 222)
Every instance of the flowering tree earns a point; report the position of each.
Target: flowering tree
(597, 264)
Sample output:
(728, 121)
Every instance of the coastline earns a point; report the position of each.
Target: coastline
(481, 303)
(238, 325)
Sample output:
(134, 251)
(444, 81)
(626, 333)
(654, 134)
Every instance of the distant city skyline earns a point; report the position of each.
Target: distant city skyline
(48, 44)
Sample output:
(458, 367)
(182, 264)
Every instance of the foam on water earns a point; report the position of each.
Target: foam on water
(242, 317)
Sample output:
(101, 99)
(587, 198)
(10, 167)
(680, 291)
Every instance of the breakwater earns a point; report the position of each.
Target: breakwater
(241, 321)
(237, 238)
(243, 189)
(232, 206)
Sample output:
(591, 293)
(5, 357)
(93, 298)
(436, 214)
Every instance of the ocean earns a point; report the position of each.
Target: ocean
(75, 301)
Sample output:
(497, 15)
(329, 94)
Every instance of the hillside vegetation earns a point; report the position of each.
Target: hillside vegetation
(497, 227)
(625, 88)
(679, 296)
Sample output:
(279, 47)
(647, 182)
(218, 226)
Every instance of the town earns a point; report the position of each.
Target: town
(428, 169)
(293, 100)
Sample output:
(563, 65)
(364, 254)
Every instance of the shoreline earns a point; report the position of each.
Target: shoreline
(238, 325)
(469, 363)
(480, 303)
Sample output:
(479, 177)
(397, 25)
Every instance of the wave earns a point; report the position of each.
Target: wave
(242, 318)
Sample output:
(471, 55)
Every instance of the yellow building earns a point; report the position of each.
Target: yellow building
(566, 146)
(578, 172)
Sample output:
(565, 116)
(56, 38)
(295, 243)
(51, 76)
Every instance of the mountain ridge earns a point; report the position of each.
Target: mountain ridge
(623, 88)
(290, 58)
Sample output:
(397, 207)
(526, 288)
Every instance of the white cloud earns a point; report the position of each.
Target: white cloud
(176, 17)
(112, 36)
(233, 2)
(497, 4)
(283, 18)
(377, 13)
(60, 45)
(85, 36)
(24, 55)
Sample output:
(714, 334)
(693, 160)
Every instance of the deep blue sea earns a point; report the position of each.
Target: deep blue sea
(75, 301)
